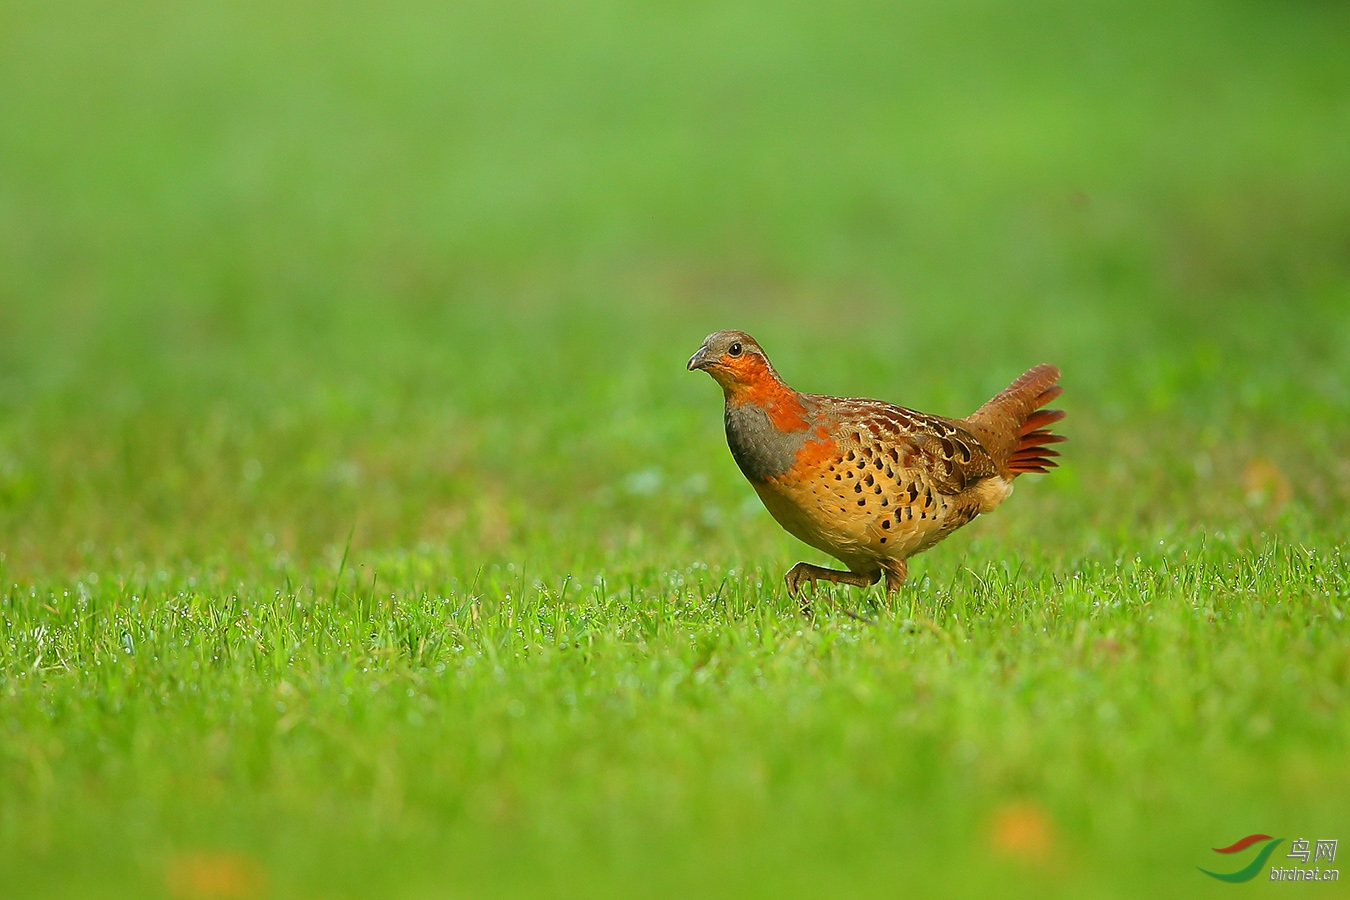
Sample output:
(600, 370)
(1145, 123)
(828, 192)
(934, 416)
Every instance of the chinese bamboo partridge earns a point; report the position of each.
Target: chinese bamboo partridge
(867, 482)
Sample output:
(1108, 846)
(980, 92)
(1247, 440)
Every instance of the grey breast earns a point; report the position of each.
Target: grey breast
(760, 449)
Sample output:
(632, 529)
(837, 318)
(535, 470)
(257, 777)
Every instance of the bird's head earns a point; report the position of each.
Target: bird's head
(735, 361)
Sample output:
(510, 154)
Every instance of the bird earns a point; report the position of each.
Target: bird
(866, 481)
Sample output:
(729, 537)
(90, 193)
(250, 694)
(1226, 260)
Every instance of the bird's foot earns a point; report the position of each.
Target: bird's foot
(805, 573)
(796, 578)
(896, 571)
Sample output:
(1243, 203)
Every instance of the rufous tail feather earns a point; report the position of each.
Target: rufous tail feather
(1016, 427)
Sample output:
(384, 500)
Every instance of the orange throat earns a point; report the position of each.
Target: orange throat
(763, 389)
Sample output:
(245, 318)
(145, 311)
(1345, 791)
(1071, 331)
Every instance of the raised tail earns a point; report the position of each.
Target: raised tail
(1014, 427)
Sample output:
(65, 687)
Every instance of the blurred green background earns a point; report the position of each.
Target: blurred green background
(434, 269)
(274, 274)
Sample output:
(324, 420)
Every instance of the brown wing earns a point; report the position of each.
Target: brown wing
(949, 457)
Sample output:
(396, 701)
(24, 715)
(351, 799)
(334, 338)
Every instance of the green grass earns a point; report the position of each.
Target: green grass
(361, 533)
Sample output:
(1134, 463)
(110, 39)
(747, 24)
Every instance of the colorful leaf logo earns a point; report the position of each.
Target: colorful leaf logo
(1247, 872)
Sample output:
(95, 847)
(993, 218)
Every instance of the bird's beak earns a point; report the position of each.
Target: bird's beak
(700, 359)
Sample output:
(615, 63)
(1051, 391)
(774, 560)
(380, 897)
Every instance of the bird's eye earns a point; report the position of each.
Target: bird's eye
(735, 349)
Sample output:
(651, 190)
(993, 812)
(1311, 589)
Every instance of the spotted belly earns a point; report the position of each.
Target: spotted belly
(865, 507)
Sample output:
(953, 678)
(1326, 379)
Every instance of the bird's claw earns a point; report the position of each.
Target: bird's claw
(797, 576)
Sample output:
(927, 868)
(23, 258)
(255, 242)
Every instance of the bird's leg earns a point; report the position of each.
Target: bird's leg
(805, 572)
(896, 570)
